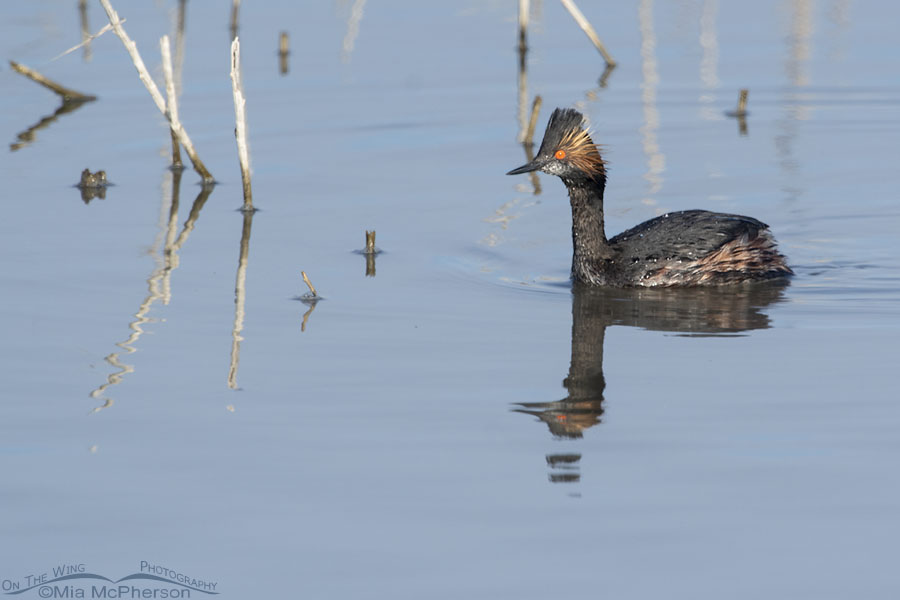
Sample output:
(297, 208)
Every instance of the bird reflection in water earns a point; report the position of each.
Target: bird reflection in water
(714, 311)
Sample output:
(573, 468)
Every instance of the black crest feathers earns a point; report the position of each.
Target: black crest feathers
(566, 131)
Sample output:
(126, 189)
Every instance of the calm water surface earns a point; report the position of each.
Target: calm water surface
(453, 420)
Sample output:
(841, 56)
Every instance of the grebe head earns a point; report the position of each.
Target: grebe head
(567, 150)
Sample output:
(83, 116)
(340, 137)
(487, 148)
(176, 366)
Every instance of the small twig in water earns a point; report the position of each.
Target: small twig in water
(67, 94)
(87, 40)
(588, 30)
(312, 290)
(240, 118)
(370, 242)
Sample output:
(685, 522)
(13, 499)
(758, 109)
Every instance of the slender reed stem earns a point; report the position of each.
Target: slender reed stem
(66, 93)
(588, 30)
(171, 99)
(240, 118)
(158, 99)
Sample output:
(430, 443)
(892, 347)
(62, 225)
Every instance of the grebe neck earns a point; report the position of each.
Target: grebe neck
(591, 249)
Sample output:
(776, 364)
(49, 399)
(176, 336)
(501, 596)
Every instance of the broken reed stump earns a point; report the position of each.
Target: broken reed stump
(283, 52)
(370, 251)
(588, 30)
(741, 110)
(160, 102)
(240, 118)
(312, 289)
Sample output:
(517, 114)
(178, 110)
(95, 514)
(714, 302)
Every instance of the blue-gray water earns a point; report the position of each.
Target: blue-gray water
(459, 425)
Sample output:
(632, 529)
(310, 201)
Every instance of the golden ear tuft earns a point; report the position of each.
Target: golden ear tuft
(582, 152)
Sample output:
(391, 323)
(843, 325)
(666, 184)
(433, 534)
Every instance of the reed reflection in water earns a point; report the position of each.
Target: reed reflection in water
(159, 287)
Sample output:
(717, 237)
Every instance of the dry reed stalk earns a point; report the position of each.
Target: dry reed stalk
(160, 102)
(87, 39)
(240, 118)
(171, 99)
(588, 30)
(67, 94)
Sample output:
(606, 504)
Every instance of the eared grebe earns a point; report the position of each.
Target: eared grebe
(691, 247)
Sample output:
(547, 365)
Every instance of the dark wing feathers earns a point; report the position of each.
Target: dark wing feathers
(684, 235)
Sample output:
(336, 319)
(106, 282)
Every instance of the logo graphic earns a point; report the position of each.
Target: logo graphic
(73, 581)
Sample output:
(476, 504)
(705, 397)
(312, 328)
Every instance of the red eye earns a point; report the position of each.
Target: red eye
(560, 154)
